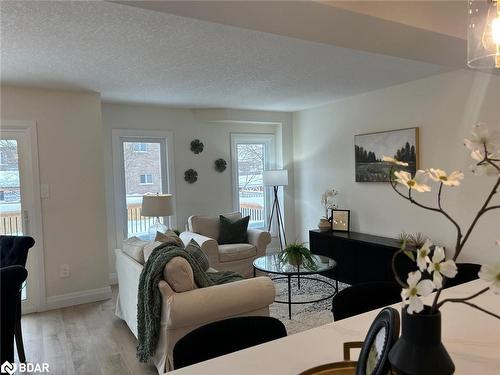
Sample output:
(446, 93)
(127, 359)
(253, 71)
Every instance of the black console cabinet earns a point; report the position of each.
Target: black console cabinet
(360, 257)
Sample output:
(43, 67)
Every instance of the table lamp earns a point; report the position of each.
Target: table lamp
(158, 205)
(276, 178)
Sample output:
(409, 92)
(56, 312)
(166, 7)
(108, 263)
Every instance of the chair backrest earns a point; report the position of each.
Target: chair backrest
(14, 250)
(209, 225)
(466, 272)
(11, 279)
(360, 298)
(224, 337)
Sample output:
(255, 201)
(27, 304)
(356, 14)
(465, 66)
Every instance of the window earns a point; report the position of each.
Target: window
(251, 155)
(146, 179)
(140, 147)
(142, 164)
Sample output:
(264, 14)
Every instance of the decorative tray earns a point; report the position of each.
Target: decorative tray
(336, 368)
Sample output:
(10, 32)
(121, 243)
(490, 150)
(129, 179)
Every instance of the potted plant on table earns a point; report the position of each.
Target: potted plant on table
(328, 203)
(297, 255)
(419, 349)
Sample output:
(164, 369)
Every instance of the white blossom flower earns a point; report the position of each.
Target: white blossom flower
(479, 155)
(438, 268)
(491, 274)
(482, 137)
(388, 159)
(415, 183)
(453, 179)
(423, 255)
(416, 288)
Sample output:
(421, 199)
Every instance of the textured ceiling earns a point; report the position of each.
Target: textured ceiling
(134, 55)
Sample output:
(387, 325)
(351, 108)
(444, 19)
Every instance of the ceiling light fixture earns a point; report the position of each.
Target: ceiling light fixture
(483, 36)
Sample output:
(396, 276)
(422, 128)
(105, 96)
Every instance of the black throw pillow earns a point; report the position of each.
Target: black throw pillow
(231, 232)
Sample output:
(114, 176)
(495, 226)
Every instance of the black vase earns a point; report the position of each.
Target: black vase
(419, 350)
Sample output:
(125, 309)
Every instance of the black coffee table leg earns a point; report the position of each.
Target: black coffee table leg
(254, 272)
(289, 298)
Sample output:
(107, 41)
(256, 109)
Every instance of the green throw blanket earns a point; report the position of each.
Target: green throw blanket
(149, 296)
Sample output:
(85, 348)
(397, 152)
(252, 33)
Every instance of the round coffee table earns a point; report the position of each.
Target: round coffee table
(272, 264)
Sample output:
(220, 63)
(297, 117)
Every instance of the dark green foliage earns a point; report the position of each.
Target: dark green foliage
(406, 153)
(364, 156)
(296, 251)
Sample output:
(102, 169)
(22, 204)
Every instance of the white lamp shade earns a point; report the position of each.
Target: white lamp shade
(157, 205)
(275, 177)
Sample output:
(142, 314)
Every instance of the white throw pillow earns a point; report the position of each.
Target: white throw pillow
(148, 249)
(134, 247)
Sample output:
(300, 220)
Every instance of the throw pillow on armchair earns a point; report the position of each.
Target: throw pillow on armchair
(233, 232)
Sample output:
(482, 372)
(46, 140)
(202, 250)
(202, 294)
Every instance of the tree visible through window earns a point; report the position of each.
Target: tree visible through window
(251, 163)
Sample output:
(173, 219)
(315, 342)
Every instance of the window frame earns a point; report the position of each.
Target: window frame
(146, 182)
(269, 141)
(141, 151)
(166, 140)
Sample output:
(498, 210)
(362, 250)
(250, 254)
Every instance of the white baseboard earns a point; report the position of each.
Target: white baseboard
(77, 298)
(113, 278)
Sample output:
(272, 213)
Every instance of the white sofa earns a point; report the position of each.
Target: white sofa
(235, 257)
(183, 312)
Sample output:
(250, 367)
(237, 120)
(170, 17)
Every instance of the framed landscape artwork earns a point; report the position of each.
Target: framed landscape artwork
(401, 144)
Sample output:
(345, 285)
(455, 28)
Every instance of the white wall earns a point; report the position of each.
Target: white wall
(445, 107)
(212, 193)
(71, 162)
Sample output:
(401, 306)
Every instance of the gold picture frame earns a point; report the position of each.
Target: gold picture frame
(369, 148)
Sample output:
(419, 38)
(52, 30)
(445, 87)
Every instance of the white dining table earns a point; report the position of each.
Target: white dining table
(471, 337)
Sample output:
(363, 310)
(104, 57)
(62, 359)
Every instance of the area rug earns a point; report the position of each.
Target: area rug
(304, 316)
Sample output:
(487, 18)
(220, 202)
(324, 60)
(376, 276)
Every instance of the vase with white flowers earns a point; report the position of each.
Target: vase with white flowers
(328, 203)
(419, 349)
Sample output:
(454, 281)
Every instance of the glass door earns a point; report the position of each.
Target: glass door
(17, 202)
(142, 168)
(252, 154)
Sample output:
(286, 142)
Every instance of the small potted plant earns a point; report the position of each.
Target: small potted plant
(297, 254)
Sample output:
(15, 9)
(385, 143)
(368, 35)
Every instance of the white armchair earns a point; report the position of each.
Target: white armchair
(234, 257)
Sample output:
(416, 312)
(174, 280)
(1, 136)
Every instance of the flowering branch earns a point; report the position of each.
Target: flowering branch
(481, 212)
(439, 209)
(393, 263)
(440, 269)
(464, 301)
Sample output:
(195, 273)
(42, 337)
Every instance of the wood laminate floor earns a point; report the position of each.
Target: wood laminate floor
(83, 339)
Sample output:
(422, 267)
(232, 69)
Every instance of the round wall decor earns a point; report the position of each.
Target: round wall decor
(197, 146)
(191, 176)
(220, 165)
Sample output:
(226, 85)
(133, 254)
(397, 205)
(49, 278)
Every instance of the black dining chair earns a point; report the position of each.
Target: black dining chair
(360, 298)
(11, 281)
(466, 272)
(14, 251)
(224, 337)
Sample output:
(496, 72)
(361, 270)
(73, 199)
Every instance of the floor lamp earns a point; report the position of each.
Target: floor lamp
(276, 178)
